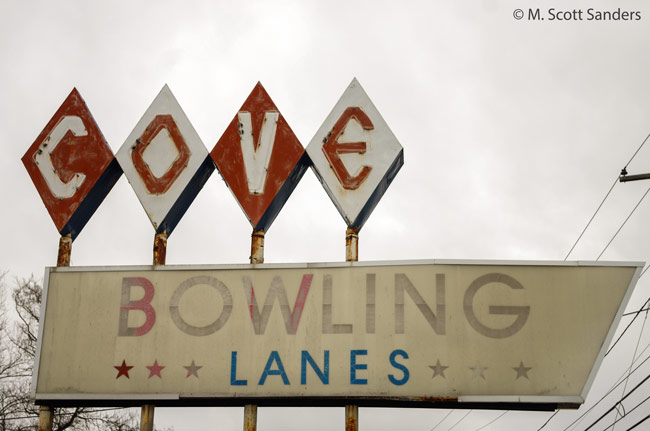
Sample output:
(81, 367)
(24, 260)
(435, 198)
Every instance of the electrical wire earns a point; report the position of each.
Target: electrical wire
(636, 313)
(639, 423)
(492, 421)
(621, 227)
(459, 421)
(616, 385)
(618, 402)
(605, 198)
(633, 408)
(442, 420)
(592, 218)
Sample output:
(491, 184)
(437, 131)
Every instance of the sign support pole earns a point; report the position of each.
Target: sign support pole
(257, 256)
(351, 255)
(46, 413)
(159, 257)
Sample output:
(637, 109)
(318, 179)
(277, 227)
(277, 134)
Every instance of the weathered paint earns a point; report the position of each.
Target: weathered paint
(160, 248)
(351, 418)
(265, 332)
(250, 417)
(260, 159)
(351, 244)
(355, 155)
(146, 417)
(165, 162)
(65, 249)
(257, 246)
(71, 166)
(45, 418)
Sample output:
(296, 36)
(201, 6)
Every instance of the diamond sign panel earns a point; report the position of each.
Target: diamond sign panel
(355, 155)
(165, 162)
(71, 166)
(260, 159)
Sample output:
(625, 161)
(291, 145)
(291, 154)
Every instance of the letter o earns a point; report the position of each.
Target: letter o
(199, 331)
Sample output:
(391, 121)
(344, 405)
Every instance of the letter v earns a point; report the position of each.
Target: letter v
(257, 157)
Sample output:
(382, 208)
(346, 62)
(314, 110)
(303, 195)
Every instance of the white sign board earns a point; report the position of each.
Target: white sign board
(377, 333)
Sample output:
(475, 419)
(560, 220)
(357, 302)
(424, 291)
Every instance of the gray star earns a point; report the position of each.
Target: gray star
(438, 370)
(477, 371)
(521, 370)
(193, 369)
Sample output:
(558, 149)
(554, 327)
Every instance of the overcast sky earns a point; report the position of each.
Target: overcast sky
(513, 131)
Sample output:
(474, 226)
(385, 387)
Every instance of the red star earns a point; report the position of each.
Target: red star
(155, 369)
(122, 370)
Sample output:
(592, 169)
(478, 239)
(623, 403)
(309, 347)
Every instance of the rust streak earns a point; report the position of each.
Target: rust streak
(257, 246)
(352, 244)
(160, 248)
(250, 417)
(146, 418)
(65, 249)
(351, 418)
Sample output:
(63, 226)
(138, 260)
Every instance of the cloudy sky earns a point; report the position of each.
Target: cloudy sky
(513, 132)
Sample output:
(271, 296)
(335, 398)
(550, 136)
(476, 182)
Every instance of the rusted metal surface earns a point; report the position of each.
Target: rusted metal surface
(352, 245)
(351, 418)
(146, 417)
(65, 249)
(45, 418)
(71, 165)
(260, 158)
(257, 246)
(160, 248)
(250, 417)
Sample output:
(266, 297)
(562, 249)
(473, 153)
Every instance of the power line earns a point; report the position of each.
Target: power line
(459, 421)
(492, 421)
(618, 402)
(605, 198)
(639, 423)
(636, 349)
(636, 314)
(616, 385)
(442, 420)
(626, 414)
(621, 227)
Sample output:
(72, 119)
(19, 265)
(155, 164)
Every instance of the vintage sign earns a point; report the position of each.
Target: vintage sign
(355, 155)
(374, 334)
(165, 162)
(71, 166)
(260, 159)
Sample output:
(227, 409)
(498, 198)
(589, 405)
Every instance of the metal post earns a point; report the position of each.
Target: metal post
(257, 246)
(146, 418)
(159, 256)
(351, 418)
(46, 413)
(160, 248)
(45, 418)
(257, 256)
(250, 417)
(65, 249)
(351, 255)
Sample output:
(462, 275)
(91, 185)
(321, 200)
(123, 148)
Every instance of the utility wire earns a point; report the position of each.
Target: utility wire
(616, 385)
(492, 421)
(636, 314)
(636, 349)
(639, 423)
(605, 198)
(442, 420)
(459, 421)
(626, 414)
(592, 218)
(621, 227)
(618, 402)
